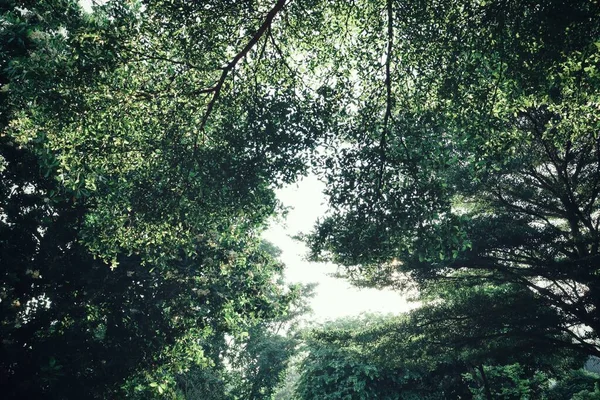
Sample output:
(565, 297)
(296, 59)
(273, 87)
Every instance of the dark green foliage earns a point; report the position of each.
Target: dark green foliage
(336, 367)
(410, 357)
(72, 327)
(129, 245)
(571, 384)
(376, 358)
(141, 145)
(469, 161)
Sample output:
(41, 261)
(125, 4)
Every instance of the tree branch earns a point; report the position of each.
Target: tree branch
(231, 65)
(388, 100)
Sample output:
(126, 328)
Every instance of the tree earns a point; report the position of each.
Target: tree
(572, 384)
(465, 159)
(127, 248)
(169, 119)
(459, 143)
(337, 366)
(253, 364)
(72, 327)
(411, 357)
(476, 329)
(287, 387)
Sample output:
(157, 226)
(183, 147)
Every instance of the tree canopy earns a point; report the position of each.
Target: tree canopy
(475, 156)
(411, 357)
(141, 144)
(131, 221)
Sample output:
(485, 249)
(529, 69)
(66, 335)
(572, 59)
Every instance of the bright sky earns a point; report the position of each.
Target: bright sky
(334, 297)
(86, 5)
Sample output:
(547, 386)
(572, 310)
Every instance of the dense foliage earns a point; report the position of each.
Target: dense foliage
(141, 143)
(406, 357)
(130, 230)
(73, 327)
(474, 155)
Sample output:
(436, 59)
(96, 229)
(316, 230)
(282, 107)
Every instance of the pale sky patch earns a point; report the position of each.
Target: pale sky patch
(87, 5)
(334, 297)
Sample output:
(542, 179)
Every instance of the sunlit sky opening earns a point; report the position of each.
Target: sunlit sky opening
(334, 297)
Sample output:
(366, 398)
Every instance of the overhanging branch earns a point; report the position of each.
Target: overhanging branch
(216, 90)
